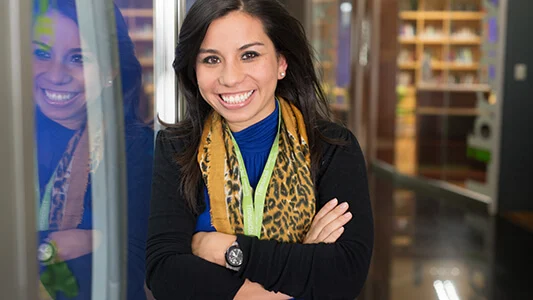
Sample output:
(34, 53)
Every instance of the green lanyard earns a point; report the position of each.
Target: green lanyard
(253, 214)
(44, 210)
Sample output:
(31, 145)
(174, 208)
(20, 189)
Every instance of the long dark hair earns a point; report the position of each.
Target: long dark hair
(301, 85)
(130, 67)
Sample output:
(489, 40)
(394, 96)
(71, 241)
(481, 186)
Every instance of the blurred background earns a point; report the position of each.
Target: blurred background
(436, 91)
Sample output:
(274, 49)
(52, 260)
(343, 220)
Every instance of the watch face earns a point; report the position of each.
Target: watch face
(234, 256)
(45, 252)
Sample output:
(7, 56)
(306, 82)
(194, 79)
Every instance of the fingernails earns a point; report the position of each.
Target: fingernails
(333, 202)
(344, 205)
(347, 216)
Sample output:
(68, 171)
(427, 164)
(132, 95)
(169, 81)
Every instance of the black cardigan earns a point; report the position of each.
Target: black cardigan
(315, 271)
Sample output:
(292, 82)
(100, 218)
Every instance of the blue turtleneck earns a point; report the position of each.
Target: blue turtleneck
(255, 143)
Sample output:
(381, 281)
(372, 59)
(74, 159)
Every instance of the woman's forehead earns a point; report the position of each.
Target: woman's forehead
(56, 30)
(234, 30)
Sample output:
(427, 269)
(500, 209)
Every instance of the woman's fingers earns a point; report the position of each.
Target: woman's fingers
(326, 209)
(332, 215)
(333, 227)
(314, 231)
(328, 219)
(334, 236)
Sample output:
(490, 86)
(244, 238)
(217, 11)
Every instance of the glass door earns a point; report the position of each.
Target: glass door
(342, 32)
(154, 27)
(92, 149)
(330, 32)
(78, 133)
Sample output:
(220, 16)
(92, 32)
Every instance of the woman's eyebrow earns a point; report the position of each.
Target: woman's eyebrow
(251, 45)
(45, 46)
(73, 50)
(213, 51)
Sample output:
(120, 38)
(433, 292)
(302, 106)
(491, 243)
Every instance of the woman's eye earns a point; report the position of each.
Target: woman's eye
(42, 54)
(250, 55)
(211, 60)
(80, 59)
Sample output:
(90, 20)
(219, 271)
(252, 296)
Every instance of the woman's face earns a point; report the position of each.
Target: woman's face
(238, 68)
(63, 70)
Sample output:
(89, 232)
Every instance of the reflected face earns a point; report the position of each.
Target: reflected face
(63, 70)
(238, 68)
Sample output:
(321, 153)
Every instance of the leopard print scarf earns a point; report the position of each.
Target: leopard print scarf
(71, 178)
(68, 191)
(290, 199)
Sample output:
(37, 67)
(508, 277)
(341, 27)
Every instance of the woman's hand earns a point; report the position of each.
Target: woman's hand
(74, 243)
(328, 223)
(255, 291)
(212, 246)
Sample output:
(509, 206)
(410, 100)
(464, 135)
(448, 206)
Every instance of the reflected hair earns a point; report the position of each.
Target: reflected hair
(130, 67)
(300, 86)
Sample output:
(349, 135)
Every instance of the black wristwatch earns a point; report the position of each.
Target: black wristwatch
(234, 257)
(46, 253)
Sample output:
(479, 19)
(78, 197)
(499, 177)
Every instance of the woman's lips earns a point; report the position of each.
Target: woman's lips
(57, 97)
(236, 98)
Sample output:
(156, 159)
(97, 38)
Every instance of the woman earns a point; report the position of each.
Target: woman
(236, 185)
(68, 80)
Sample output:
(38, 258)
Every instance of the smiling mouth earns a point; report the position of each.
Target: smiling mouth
(59, 96)
(236, 98)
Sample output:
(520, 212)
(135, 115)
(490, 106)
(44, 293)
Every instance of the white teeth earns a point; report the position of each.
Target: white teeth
(55, 96)
(237, 98)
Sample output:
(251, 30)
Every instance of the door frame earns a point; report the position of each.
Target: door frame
(18, 267)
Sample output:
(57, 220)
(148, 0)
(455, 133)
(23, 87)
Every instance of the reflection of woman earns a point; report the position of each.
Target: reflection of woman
(67, 79)
(237, 184)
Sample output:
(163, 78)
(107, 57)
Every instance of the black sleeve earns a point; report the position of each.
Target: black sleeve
(322, 271)
(172, 271)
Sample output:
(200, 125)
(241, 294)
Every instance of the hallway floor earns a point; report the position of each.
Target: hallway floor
(428, 249)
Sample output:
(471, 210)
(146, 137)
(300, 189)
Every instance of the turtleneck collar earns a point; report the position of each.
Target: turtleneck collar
(260, 136)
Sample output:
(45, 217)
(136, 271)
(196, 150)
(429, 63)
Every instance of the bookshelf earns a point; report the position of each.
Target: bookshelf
(440, 74)
(440, 46)
(140, 25)
(137, 12)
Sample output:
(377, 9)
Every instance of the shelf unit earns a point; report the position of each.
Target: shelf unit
(442, 15)
(440, 68)
(137, 12)
(434, 33)
(440, 111)
(140, 25)
(452, 88)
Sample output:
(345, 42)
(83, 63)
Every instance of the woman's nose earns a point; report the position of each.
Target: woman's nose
(57, 74)
(231, 75)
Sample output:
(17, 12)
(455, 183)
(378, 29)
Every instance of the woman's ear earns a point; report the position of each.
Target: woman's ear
(282, 66)
(108, 81)
(110, 78)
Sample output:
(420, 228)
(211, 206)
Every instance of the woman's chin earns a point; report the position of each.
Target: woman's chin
(71, 116)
